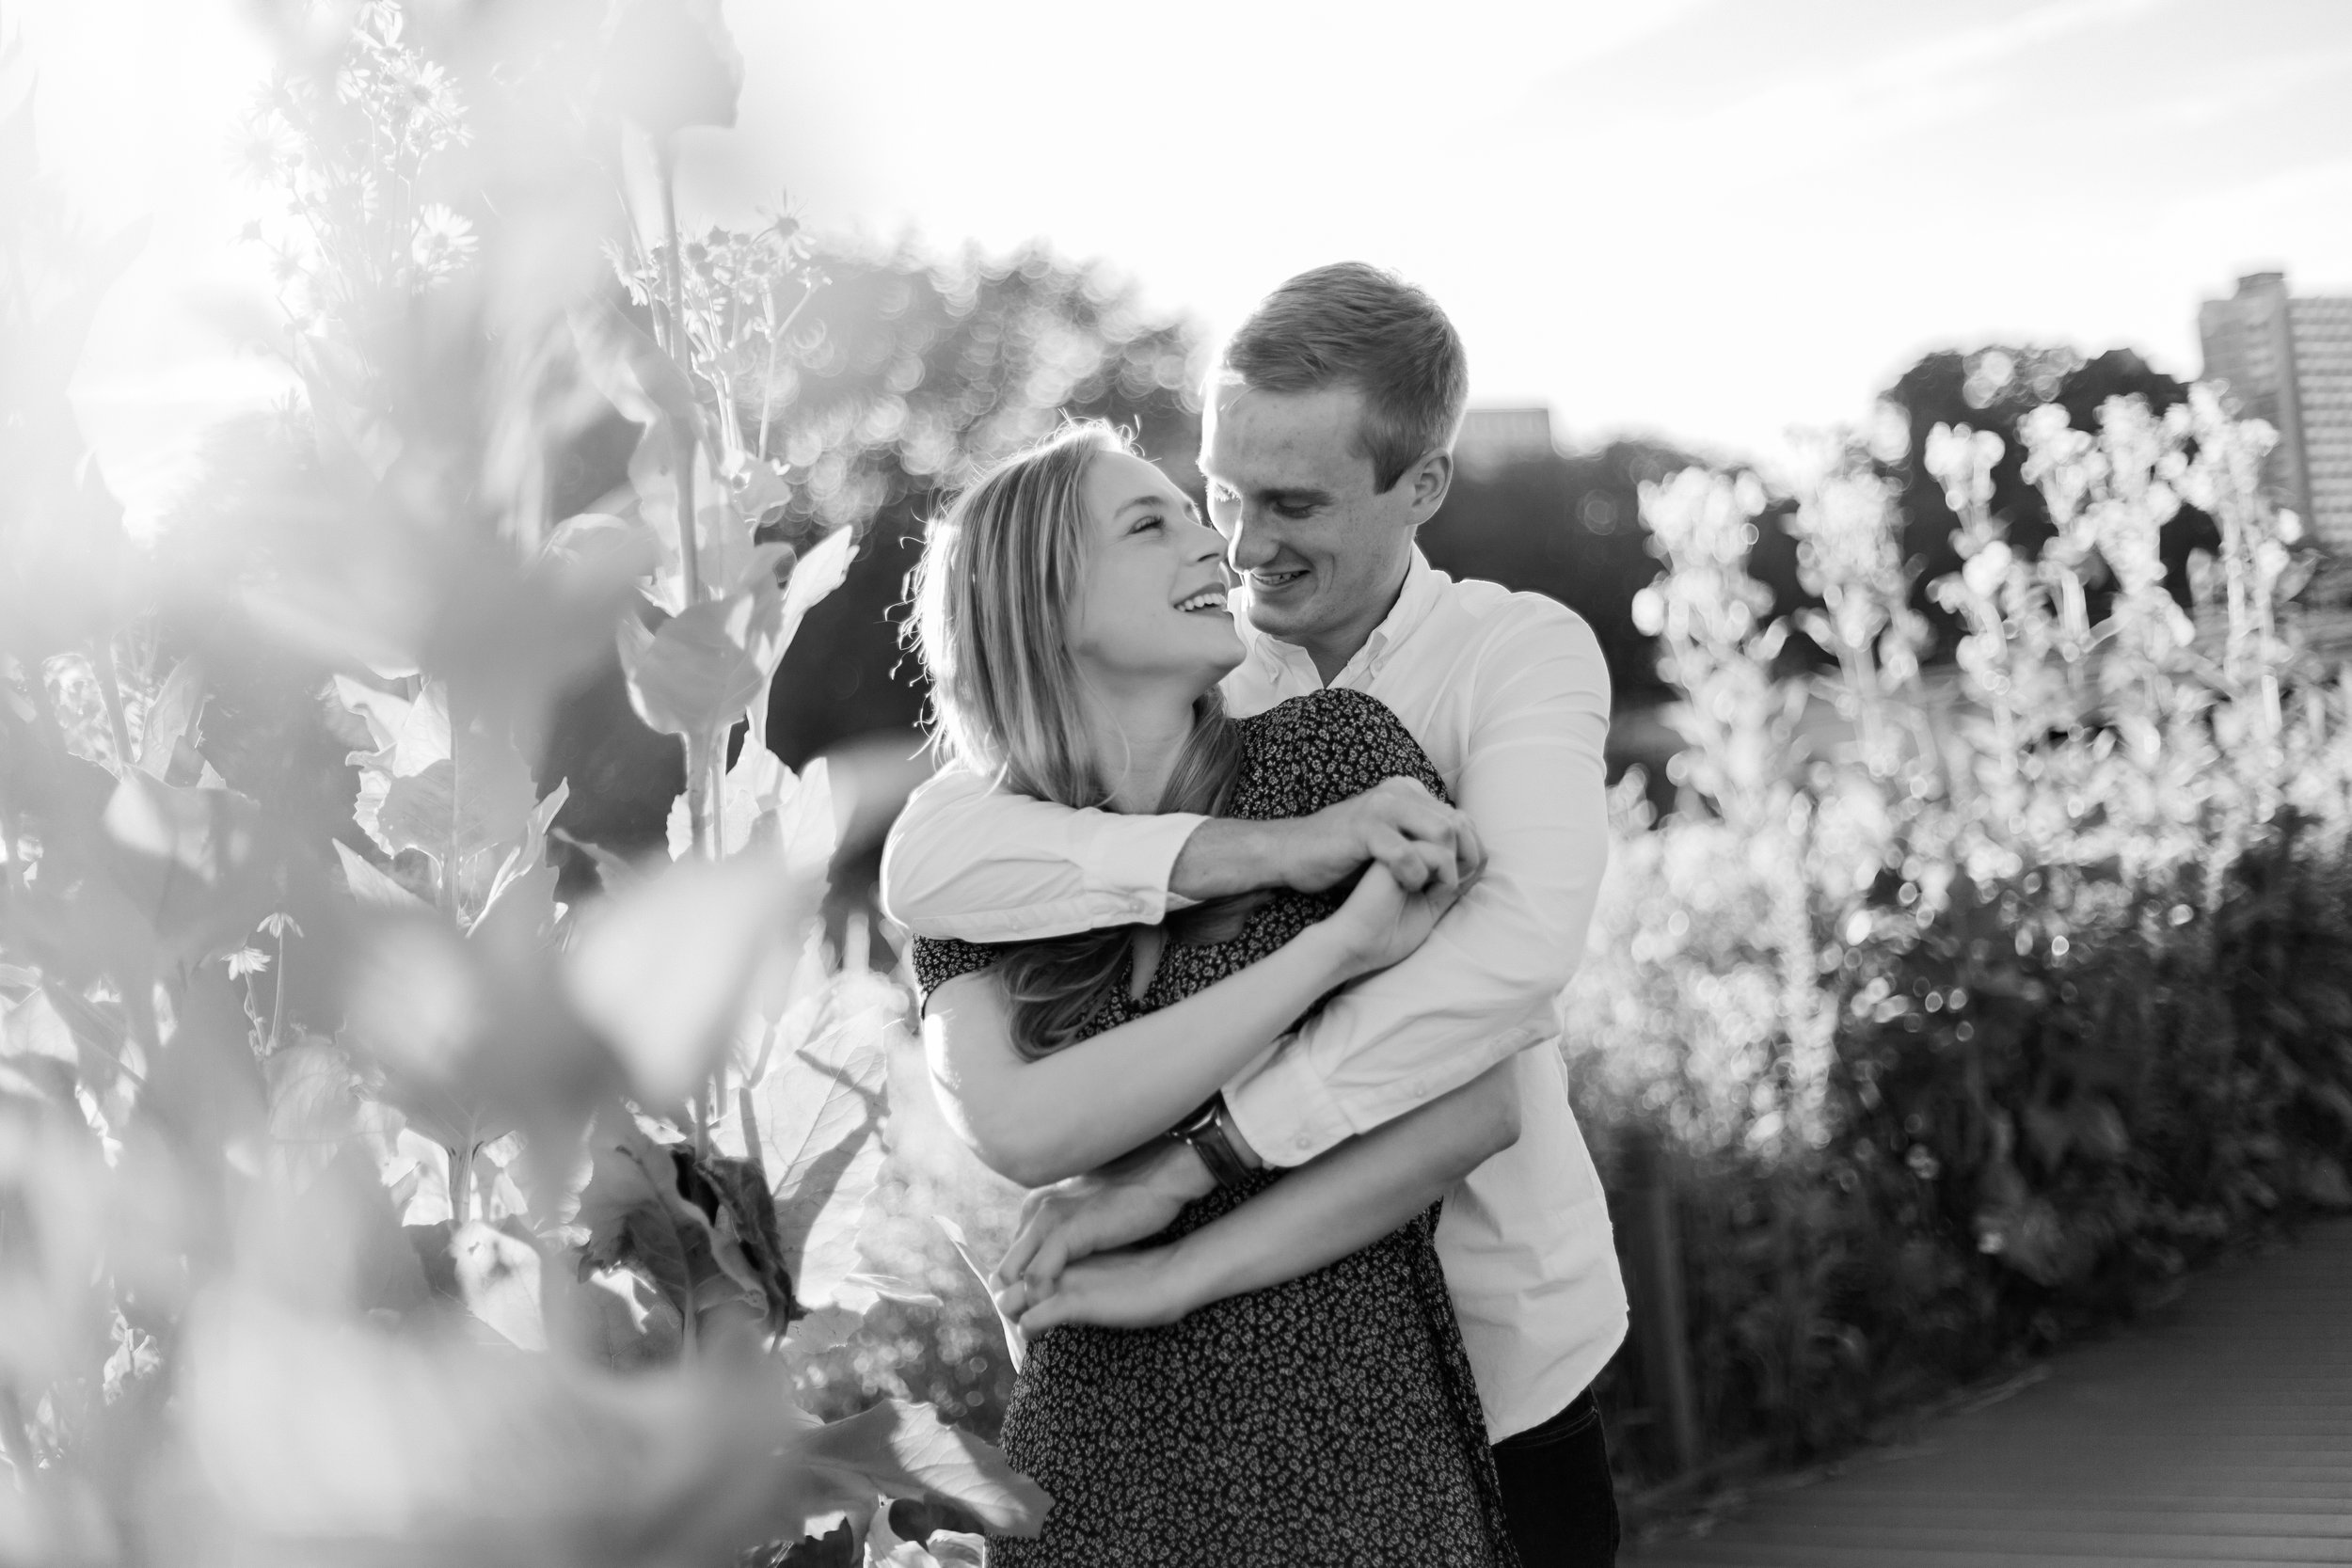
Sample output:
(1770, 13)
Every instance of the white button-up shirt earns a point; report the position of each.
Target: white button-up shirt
(1508, 695)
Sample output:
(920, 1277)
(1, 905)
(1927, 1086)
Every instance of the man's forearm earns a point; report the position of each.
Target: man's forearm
(1352, 1195)
(1397, 822)
(1226, 855)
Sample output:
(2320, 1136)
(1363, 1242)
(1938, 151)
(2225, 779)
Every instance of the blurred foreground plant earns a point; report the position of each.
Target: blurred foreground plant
(358, 1200)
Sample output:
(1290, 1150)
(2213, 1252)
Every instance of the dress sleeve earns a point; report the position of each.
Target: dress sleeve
(1318, 750)
(940, 959)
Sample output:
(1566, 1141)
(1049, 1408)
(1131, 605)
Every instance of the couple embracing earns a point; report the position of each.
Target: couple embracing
(1240, 925)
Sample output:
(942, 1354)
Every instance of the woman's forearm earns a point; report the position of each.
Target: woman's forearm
(1085, 1105)
(1351, 1196)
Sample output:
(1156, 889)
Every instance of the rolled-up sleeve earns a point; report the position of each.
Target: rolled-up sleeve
(1487, 983)
(972, 860)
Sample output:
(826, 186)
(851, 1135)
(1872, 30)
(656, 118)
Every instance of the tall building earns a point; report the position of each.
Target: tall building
(2288, 362)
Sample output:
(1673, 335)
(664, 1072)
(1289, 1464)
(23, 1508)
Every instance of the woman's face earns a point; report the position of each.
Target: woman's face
(1150, 605)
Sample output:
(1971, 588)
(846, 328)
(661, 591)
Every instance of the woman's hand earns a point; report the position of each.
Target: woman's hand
(1113, 1289)
(1121, 1204)
(1381, 922)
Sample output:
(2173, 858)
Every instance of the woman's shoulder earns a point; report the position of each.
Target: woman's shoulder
(937, 960)
(1337, 742)
(1331, 710)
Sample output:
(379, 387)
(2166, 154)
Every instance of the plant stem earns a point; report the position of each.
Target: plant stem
(16, 1438)
(110, 684)
(460, 1187)
(682, 351)
(745, 1108)
(450, 860)
(277, 998)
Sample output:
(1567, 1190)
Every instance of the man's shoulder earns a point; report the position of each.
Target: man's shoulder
(1492, 615)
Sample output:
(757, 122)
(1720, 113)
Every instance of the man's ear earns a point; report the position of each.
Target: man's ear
(1429, 479)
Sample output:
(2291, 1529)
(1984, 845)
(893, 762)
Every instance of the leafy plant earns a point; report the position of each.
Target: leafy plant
(359, 1199)
(1974, 1004)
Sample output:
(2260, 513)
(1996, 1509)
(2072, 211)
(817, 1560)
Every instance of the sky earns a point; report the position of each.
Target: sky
(1712, 220)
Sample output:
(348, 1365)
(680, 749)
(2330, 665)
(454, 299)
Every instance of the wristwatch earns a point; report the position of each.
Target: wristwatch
(1205, 1131)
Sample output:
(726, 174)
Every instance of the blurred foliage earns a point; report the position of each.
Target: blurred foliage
(915, 372)
(870, 398)
(364, 1194)
(1974, 1019)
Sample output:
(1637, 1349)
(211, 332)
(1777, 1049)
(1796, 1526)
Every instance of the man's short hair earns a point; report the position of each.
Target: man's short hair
(1354, 325)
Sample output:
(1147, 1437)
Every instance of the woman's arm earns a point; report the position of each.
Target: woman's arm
(1337, 1204)
(1036, 1121)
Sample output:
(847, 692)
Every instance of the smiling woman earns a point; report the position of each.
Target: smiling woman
(1283, 1307)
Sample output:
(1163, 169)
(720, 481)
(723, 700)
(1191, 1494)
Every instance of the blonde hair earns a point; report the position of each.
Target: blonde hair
(993, 594)
(1357, 325)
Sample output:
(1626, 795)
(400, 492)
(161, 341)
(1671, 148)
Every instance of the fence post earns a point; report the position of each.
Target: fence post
(1654, 1250)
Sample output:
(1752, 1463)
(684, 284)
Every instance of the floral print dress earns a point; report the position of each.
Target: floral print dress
(1329, 1419)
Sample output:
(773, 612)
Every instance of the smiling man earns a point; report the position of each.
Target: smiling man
(1327, 445)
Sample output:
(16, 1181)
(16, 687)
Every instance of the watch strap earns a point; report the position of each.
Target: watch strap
(1205, 1132)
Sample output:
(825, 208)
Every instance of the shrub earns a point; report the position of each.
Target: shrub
(359, 1199)
(1973, 1005)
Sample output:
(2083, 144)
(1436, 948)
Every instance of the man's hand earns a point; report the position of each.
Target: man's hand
(1115, 1207)
(1396, 823)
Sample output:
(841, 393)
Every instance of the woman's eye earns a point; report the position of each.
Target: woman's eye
(1147, 523)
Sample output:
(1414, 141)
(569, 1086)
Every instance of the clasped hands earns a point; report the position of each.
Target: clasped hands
(1073, 1257)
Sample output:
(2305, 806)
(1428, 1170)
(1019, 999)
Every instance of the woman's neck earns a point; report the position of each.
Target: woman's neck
(1138, 735)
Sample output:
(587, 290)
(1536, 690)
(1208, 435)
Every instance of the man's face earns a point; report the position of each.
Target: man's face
(1321, 554)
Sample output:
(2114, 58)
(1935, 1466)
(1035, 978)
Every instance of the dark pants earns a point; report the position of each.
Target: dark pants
(1557, 1497)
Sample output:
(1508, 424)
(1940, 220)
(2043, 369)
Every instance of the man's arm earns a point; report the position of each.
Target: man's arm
(1484, 986)
(1340, 1202)
(968, 859)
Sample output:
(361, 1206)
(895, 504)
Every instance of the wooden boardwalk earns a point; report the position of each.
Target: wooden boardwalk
(2221, 1434)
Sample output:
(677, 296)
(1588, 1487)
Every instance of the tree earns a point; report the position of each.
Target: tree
(1992, 388)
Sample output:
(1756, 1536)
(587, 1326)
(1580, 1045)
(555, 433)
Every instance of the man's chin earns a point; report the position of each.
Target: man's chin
(1275, 616)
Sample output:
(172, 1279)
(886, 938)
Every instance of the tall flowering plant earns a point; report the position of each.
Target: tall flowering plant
(363, 1199)
(1975, 1001)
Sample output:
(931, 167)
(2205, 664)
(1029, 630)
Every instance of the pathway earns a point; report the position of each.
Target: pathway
(2221, 1434)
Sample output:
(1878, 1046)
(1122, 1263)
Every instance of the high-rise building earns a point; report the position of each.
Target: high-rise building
(2288, 362)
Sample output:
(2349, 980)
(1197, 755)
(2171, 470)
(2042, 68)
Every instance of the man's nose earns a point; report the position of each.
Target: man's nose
(1252, 544)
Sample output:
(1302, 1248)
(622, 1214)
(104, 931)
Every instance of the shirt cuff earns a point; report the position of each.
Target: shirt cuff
(1285, 1109)
(1125, 863)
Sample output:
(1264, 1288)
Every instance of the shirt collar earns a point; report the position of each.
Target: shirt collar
(1425, 585)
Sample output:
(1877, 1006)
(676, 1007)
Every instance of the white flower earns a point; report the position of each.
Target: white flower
(442, 243)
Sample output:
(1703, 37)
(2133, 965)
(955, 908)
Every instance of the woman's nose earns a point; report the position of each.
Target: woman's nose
(1206, 542)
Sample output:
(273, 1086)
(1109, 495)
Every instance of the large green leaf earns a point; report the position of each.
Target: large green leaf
(661, 970)
(636, 1216)
(705, 664)
(459, 807)
(322, 1445)
(821, 1104)
(370, 886)
(318, 1106)
(497, 1275)
(189, 861)
(171, 719)
(899, 1450)
(672, 63)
